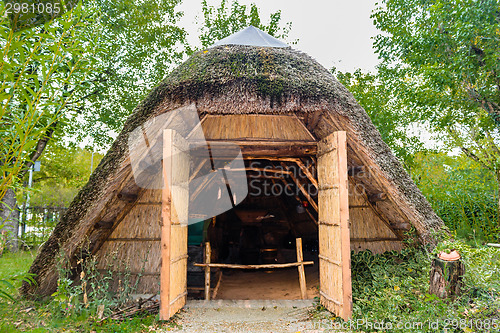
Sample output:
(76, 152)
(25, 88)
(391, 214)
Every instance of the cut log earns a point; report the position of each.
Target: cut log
(446, 278)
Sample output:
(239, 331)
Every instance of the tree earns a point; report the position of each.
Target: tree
(222, 21)
(385, 110)
(444, 56)
(43, 72)
(140, 43)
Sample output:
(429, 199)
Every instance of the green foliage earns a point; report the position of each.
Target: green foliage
(461, 192)
(383, 105)
(63, 172)
(43, 72)
(140, 43)
(443, 59)
(222, 21)
(452, 47)
(393, 287)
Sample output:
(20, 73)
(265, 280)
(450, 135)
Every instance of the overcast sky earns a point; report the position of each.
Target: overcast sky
(334, 32)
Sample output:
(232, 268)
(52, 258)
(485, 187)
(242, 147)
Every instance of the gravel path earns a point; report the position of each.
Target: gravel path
(247, 316)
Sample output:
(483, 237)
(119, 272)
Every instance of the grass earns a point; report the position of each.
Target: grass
(15, 263)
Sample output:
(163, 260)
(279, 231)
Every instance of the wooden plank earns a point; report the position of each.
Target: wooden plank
(208, 254)
(175, 201)
(165, 228)
(264, 266)
(302, 274)
(217, 286)
(344, 224)
(334, 239)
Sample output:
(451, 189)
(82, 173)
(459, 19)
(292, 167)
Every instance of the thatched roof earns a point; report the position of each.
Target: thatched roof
(233, 79)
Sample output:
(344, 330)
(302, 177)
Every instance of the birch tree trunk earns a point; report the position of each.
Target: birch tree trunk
(9, 220)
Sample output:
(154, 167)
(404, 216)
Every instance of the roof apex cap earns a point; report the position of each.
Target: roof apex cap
(251, 36)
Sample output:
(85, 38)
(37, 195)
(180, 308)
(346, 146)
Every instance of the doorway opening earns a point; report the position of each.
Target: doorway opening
(260, 230)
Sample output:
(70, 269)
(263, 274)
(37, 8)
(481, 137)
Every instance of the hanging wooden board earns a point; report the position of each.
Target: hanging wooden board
(175, 200)
(333, 212)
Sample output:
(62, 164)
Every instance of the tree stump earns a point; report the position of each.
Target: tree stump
(446, 278)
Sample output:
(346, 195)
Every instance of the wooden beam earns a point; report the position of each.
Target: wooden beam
(204, 183)
(376, 197)
(257, 148)
(119, 218)
(198, 168)
(300, 201)
(133, 240)
(308, 173)
(303, 190)
(304, 127)
(381, 216)
(104, 225)
(313, 120)
(400, 226)
(208, 254)
(265, 266)
(217, 285)
(127, 197)
(302, 273)
(285, 172)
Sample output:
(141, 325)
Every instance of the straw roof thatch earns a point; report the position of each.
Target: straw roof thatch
(232, 79)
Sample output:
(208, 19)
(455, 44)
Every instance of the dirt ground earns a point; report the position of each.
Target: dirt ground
(273, 285)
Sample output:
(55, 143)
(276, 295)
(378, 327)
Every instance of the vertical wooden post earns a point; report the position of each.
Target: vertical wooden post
(302, 273)
(165, 230)
(208, 253)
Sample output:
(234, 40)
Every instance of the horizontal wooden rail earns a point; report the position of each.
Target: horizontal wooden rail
(299, 264)
(264, 266)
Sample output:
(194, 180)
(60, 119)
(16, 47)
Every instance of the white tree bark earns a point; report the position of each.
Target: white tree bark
(9, 220)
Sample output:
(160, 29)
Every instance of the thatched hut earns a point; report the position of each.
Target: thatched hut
(284, 111)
